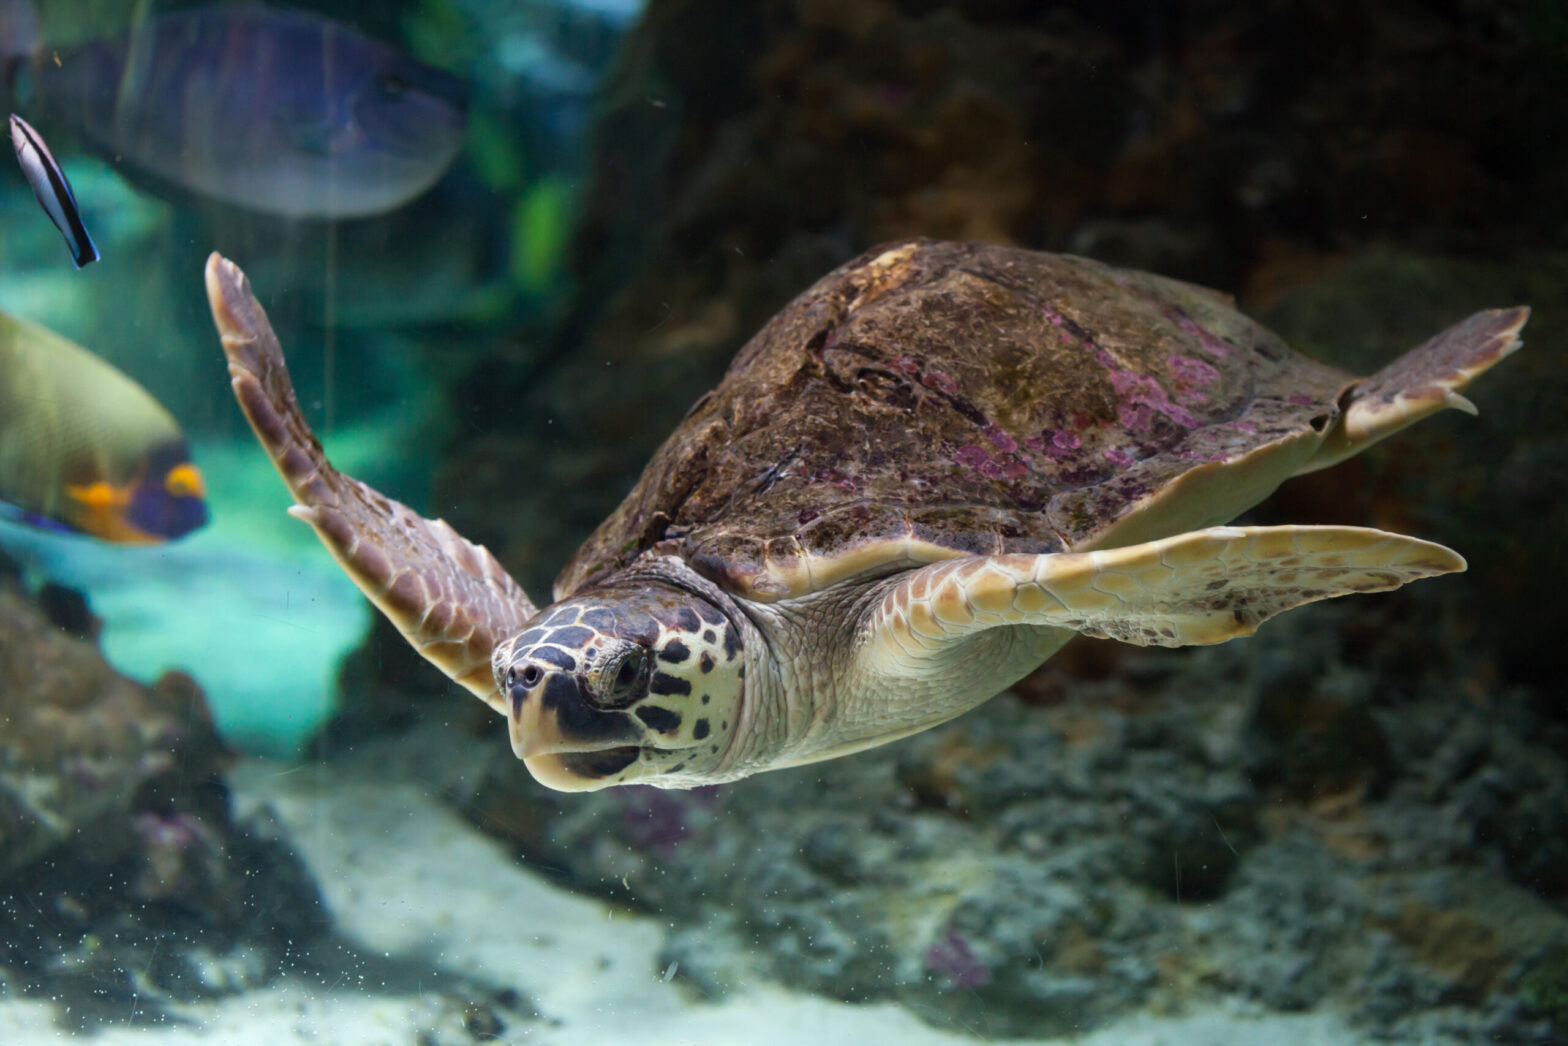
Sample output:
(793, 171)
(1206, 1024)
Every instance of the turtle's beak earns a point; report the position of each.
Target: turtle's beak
(527, 730)
(572, 771)
(566, 743)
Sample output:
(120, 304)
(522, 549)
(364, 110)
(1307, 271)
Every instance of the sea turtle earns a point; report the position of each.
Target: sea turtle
(912, 487)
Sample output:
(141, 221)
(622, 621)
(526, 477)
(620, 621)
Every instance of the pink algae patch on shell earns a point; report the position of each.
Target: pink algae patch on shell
(971, 455)
(975, 457)
(999, 439)
(1118, 456)
(1135, 416)
(1301, 400)
(1207, 339)
(1062, 444)
(1143, 397)
(1194, 372)
(931, 379)
(1058, 321)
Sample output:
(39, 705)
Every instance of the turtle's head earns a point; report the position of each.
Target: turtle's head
(636, 685)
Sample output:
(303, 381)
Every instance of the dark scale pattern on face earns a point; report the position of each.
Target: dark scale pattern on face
(571, 636)
(578, 719)
(711, 614)
(565, 614)
(706, 662)
(674, 652)
(686, 620)
(599, 764)
(700, 731)
(529, 638)
(601, 619)
(731, 644)
(708, 636)
(554, 656)
(660, 719)
(668, 684)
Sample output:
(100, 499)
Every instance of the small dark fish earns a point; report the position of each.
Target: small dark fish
(279, 111)
(53, 191)
(86, 450)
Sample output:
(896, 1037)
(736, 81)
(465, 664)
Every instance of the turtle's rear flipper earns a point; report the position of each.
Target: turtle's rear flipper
(1423, 381)
(449, 597)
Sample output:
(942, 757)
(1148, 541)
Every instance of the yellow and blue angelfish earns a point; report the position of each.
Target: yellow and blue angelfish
(85, 449)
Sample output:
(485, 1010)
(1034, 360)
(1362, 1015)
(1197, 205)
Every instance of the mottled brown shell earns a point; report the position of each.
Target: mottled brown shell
(930, 399)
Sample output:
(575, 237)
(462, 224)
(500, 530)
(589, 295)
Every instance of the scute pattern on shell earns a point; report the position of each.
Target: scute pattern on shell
(930, 399)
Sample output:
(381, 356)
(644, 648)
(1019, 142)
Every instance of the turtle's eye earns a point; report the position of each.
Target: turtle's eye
(622, 679)
(527, 677)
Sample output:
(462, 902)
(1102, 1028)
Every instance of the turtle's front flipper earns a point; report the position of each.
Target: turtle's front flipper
(1202, 587)
(449, 597)
(946, 637)
(1423, 381)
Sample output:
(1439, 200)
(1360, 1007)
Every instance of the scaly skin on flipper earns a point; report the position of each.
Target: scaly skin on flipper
(1207, 586)
(448, 597)
(987, 620)
(1422, 382)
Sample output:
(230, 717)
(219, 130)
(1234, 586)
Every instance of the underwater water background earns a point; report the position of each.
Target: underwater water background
(235, 807)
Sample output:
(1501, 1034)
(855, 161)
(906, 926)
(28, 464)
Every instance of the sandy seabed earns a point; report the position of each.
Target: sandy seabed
(408, 881)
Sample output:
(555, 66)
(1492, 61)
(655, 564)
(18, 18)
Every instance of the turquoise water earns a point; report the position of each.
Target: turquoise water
(222, 604)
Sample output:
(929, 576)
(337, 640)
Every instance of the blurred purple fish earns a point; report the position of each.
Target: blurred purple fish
(53, 191)
(283, 112)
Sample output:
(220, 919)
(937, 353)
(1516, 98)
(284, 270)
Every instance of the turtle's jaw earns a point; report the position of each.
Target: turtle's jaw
(568, 745)
(582, 771)
(554, 718)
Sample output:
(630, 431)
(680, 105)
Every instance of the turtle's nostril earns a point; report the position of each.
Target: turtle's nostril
(526, 678)
(519, 682)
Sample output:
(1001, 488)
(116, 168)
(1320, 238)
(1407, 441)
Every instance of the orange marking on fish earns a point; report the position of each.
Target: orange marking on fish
(103, 513)
(185, 481)
(100, 495)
